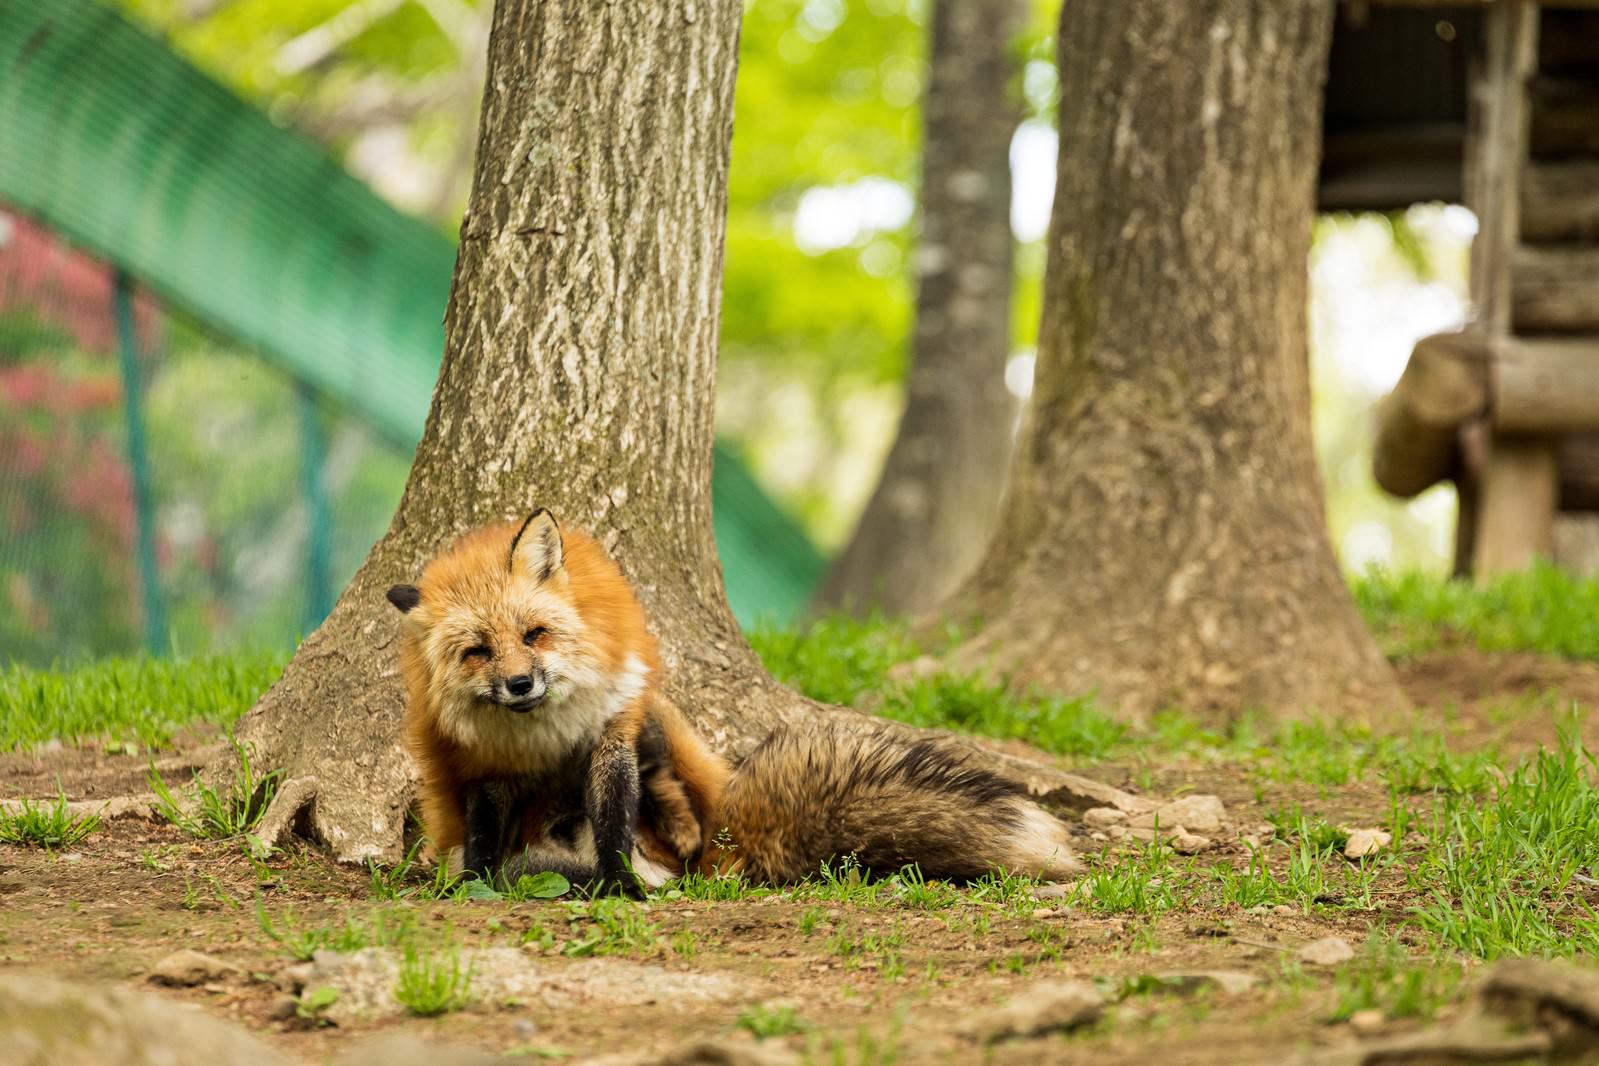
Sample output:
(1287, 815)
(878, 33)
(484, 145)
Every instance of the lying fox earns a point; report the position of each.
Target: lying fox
(544, 742)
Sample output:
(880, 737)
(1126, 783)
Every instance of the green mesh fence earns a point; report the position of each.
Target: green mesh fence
(160, 488)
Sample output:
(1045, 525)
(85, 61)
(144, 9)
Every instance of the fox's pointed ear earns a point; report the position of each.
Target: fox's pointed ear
(404, 597)
(538, 547)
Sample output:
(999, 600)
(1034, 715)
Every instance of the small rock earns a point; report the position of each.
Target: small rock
(283, 1008)
(1045, 912)
(1367, 1021)
(1189, 843)
(398, 1050)
(1102, 817)
(43, 1020)
(1328, 951)
(524, 1028)
(1285, 910)
(1097, 835)
(1199, 814)
(726, 1053)
(1044, 1008)
(185, 969)
(1050, 891)
(1363, 842)
(294, 978)
(1227, 982)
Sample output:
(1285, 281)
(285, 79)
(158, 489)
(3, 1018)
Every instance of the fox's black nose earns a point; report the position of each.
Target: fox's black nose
(520, 685)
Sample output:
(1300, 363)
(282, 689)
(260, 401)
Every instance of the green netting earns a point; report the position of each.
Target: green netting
(259, 498)
(112, 141)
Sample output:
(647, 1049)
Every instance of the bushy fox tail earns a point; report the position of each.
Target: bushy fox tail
(886, 796)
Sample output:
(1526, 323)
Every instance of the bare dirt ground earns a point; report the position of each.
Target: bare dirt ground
(828, 980)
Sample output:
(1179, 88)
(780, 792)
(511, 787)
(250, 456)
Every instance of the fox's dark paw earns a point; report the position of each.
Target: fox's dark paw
(623, 884)
(618, 883)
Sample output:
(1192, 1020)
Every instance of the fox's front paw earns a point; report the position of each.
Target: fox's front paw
(619, 883)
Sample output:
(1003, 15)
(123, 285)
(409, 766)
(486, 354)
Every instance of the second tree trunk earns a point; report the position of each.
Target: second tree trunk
(1164, 540)
(935, 502)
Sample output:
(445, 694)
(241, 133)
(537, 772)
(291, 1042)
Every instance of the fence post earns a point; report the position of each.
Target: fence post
(319, 519)
(155, 620)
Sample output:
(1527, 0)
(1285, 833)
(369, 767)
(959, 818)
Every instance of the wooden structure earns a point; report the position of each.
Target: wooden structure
(1508, 121)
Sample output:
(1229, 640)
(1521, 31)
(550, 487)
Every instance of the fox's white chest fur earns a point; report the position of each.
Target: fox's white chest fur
(569, 721)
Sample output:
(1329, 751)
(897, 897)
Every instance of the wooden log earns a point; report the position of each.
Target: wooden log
(1560, 201)
(1516, 507)
(1555, 289)
(1546, 385)
(1445, 385)
(1565, 118)
(1517, 492)
(1499, 114)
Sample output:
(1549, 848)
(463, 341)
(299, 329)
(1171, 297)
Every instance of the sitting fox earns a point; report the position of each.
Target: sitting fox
(544, 742)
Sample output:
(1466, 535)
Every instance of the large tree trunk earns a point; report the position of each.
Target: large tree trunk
(579, 363)
(934, 506)
(1163, 539)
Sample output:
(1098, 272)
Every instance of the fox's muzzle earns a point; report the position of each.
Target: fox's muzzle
(522, 692)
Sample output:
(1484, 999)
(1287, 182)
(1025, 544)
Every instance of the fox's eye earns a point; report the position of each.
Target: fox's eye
(532, 635)
(476, 651)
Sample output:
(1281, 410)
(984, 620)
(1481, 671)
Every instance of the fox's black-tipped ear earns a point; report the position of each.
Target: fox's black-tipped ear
(405, 597)
(538, 546)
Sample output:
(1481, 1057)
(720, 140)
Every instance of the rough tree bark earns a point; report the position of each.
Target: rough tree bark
(1163, 539)
(934, 507)
(579, 363)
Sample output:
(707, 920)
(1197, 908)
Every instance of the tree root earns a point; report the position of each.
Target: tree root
(137, 805)
(291, 812)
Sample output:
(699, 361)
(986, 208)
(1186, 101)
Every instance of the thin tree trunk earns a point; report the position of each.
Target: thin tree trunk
(935, 503)
(1163, 539)
(579, 363)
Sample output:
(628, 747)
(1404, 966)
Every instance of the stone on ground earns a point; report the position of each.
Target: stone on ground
(1044, 1008)
(365, 982)
(1227, 982)
(1197, 814)
(1363, 842)
(1328, 951)
(52, 1023)
(185, 969)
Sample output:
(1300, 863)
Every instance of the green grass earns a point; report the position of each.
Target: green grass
(835, 659)
(45, 824)
(1383, 977)
(137, 701)
(432, 983)
(764, 1022)
(970, 704)
(609, 926)
(1513, 875)
(301, 942)
(1542, 610)
(213, 813)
